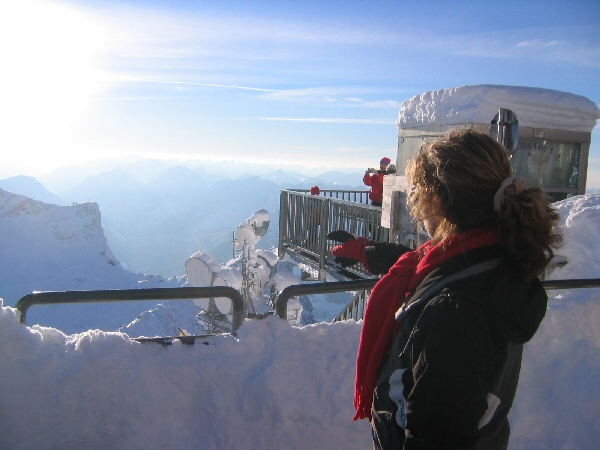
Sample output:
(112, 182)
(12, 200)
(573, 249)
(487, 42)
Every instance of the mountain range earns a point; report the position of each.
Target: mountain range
(156, 214)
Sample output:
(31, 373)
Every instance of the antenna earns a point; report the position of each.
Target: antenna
(249, 233)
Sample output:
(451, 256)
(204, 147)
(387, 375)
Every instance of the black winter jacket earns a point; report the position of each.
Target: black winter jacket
(451, 375)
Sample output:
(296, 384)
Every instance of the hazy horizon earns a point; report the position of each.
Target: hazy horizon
(315, 84)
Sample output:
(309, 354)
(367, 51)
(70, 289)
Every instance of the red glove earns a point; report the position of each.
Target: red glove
(351, 252)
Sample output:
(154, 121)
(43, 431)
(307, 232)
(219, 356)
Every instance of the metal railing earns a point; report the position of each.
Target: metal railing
(305, 220)
(578, 283)
(355, 308)
(120, 295)
(360, 196)
(318, 288)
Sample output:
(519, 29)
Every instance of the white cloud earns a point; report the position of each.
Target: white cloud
(329, 120)
(539, 43)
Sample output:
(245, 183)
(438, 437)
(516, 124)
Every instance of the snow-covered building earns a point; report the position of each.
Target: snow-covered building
(550, 130)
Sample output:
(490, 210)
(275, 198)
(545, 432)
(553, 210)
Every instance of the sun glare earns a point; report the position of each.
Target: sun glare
(50, 72)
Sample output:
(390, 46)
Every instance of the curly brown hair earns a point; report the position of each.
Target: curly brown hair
(455, 177)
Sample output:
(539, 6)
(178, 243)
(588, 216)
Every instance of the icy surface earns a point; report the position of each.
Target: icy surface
(534, 107)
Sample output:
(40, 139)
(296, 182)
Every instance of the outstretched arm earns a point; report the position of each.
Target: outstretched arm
(377, 257)
(383, 255)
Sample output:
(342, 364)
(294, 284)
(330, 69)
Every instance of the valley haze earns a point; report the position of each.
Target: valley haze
(155, 213)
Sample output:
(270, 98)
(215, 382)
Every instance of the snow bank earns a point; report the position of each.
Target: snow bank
(534, 107)
(558, 401)
(275, 387)
(580, 220)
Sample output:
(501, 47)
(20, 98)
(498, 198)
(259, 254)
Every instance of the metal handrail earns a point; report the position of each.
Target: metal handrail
(119, 295)
(319, 288)
(356, 196)
(578, 283)
(355, 308)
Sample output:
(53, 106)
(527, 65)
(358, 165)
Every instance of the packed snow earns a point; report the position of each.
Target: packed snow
(535, 107)
(279, 386)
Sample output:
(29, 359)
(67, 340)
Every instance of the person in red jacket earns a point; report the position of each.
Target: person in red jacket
(376, 181)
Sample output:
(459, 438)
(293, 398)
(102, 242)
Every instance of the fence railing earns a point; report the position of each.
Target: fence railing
(355, 308)
(319, 288)
(305, 220)
(359, 196)
(121, 295)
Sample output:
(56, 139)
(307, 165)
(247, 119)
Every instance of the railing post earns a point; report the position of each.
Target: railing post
(318, 288)
(323, 238)
(283, 214)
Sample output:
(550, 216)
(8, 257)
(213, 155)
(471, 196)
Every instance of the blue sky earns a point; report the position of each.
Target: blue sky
(309, 83)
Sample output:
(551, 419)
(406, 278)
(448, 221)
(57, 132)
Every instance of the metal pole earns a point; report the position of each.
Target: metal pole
(119, 295)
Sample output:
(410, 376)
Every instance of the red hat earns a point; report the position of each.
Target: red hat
(315, 190)
(385, 161)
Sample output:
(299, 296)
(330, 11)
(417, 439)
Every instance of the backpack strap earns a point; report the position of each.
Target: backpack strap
(430, 293)
(432, 290)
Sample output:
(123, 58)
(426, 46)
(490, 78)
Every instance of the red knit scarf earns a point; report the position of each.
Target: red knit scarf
(387, 297)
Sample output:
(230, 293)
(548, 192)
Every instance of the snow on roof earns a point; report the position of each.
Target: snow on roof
(534, 107)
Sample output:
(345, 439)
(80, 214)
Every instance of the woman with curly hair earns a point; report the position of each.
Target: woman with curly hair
(442, 340)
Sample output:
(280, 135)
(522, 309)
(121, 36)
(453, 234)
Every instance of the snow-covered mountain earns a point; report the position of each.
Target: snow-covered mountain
(151, 226)
(30, 187)
(284, 177)
(165, 229)
(46, 247)
(145, 170)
